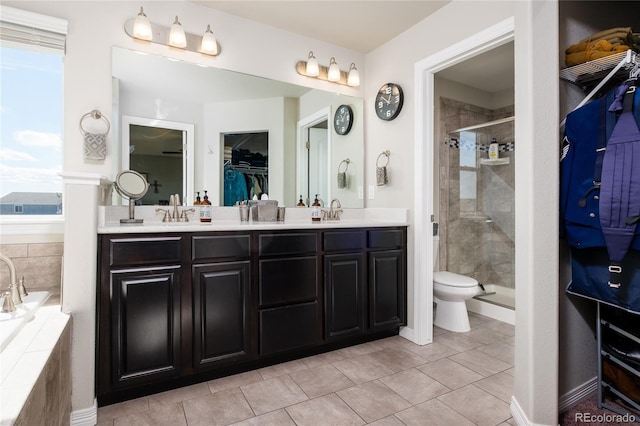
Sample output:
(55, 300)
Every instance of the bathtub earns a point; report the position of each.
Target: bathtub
(28, 337)
(12, 322)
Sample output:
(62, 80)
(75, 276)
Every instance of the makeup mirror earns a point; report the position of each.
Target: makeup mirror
(131, 185)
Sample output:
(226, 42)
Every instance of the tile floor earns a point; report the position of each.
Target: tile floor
(460, 379)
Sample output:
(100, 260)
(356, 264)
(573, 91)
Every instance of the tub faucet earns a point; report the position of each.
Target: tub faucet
(14, 289)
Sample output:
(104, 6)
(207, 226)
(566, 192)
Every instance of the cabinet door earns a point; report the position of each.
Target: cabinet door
(387, 288)
(344, 295)
(221, 312)
(145, 325)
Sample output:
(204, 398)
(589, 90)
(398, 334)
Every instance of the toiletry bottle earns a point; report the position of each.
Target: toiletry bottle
(205, 209)
(493, 149)
(198, 200)
(315, 210)
(300, 202)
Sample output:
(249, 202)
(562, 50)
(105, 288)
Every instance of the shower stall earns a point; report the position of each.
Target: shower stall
(476, 202)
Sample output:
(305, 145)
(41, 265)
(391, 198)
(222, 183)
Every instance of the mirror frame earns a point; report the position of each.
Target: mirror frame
(187, 154)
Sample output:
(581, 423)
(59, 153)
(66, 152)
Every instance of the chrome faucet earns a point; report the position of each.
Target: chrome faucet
(16, 290)
(333, 213)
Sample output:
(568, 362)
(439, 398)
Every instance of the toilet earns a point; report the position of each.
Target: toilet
(450, 291)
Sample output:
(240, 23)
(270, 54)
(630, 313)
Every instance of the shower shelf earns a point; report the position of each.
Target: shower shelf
(494, 162)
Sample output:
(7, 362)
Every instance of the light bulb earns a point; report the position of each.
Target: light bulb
(313, 70)
(209, 44)
(142, 27)
(177, 38)
(334, 71)
(354, 76)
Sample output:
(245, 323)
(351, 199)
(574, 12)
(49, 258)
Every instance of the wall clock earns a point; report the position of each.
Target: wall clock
(343, 119)
(389, 101)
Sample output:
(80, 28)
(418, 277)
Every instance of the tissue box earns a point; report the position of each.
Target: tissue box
(264, 210)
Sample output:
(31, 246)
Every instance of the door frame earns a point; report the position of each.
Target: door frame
(302, 169)
(425, 70)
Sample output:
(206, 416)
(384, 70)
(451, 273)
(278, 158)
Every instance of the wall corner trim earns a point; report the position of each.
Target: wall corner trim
(85, 416)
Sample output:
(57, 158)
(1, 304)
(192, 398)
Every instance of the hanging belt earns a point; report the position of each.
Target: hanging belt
(620, 184)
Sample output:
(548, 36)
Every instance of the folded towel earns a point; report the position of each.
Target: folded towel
(590, 55)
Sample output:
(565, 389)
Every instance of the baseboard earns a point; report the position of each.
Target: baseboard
(577, 394)
(519, 416)
(86, 416)
(407, 333)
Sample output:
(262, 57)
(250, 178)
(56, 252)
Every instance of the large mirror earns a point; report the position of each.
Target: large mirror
(249, 135)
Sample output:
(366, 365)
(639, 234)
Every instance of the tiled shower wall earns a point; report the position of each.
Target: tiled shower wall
(477, 237)
(39, 263)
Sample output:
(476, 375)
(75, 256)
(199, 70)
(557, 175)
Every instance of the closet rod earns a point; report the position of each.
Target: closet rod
(629, 58)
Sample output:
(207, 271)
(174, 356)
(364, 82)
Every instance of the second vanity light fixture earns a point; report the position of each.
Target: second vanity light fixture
(311, 68)
(140, 28)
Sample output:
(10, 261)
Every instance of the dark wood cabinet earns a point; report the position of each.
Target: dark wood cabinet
(145, 325)
(344, 295)
(387, 269)
(221, 313)
(387, 287)
(184, 307)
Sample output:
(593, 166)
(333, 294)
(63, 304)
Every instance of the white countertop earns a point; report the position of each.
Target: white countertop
(227, 219)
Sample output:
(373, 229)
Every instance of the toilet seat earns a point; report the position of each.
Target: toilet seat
(451, 279)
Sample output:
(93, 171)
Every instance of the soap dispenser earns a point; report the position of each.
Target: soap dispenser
(300, 202)
(205, 209)
(198, 200)
(316, 215)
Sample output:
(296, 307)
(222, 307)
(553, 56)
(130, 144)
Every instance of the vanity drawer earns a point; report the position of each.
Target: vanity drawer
(343, 240)
(144, 251)
(216, 246)
(287, 243)
(386, 238)
(288, 280)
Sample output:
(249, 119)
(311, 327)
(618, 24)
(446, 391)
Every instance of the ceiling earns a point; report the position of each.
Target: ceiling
(358, 25)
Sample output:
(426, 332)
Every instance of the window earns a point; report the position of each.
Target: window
(31, 111)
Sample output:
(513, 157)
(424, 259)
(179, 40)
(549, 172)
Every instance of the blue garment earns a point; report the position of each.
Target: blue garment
(587, 128)
(235, 187)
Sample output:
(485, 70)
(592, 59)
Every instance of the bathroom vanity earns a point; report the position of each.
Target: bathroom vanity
(195, 303)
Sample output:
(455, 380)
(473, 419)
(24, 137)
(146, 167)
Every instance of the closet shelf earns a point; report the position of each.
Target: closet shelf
(594, 70)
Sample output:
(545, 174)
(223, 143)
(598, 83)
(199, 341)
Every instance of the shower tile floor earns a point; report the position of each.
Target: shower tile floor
(460, 379)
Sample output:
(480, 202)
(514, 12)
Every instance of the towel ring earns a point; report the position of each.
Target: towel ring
(347, 161)
(96, 115)
(387, 154)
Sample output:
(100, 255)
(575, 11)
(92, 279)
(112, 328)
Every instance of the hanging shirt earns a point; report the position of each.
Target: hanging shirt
(235, 188)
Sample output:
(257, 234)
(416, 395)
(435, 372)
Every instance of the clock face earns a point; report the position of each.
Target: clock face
(389, 101)
(343, 119)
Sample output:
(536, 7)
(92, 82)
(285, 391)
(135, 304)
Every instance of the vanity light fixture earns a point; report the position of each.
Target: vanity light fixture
(332, 73)
(312, 68)
(177, 37)
(209, 44)
(353, 79)
(141, 29)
